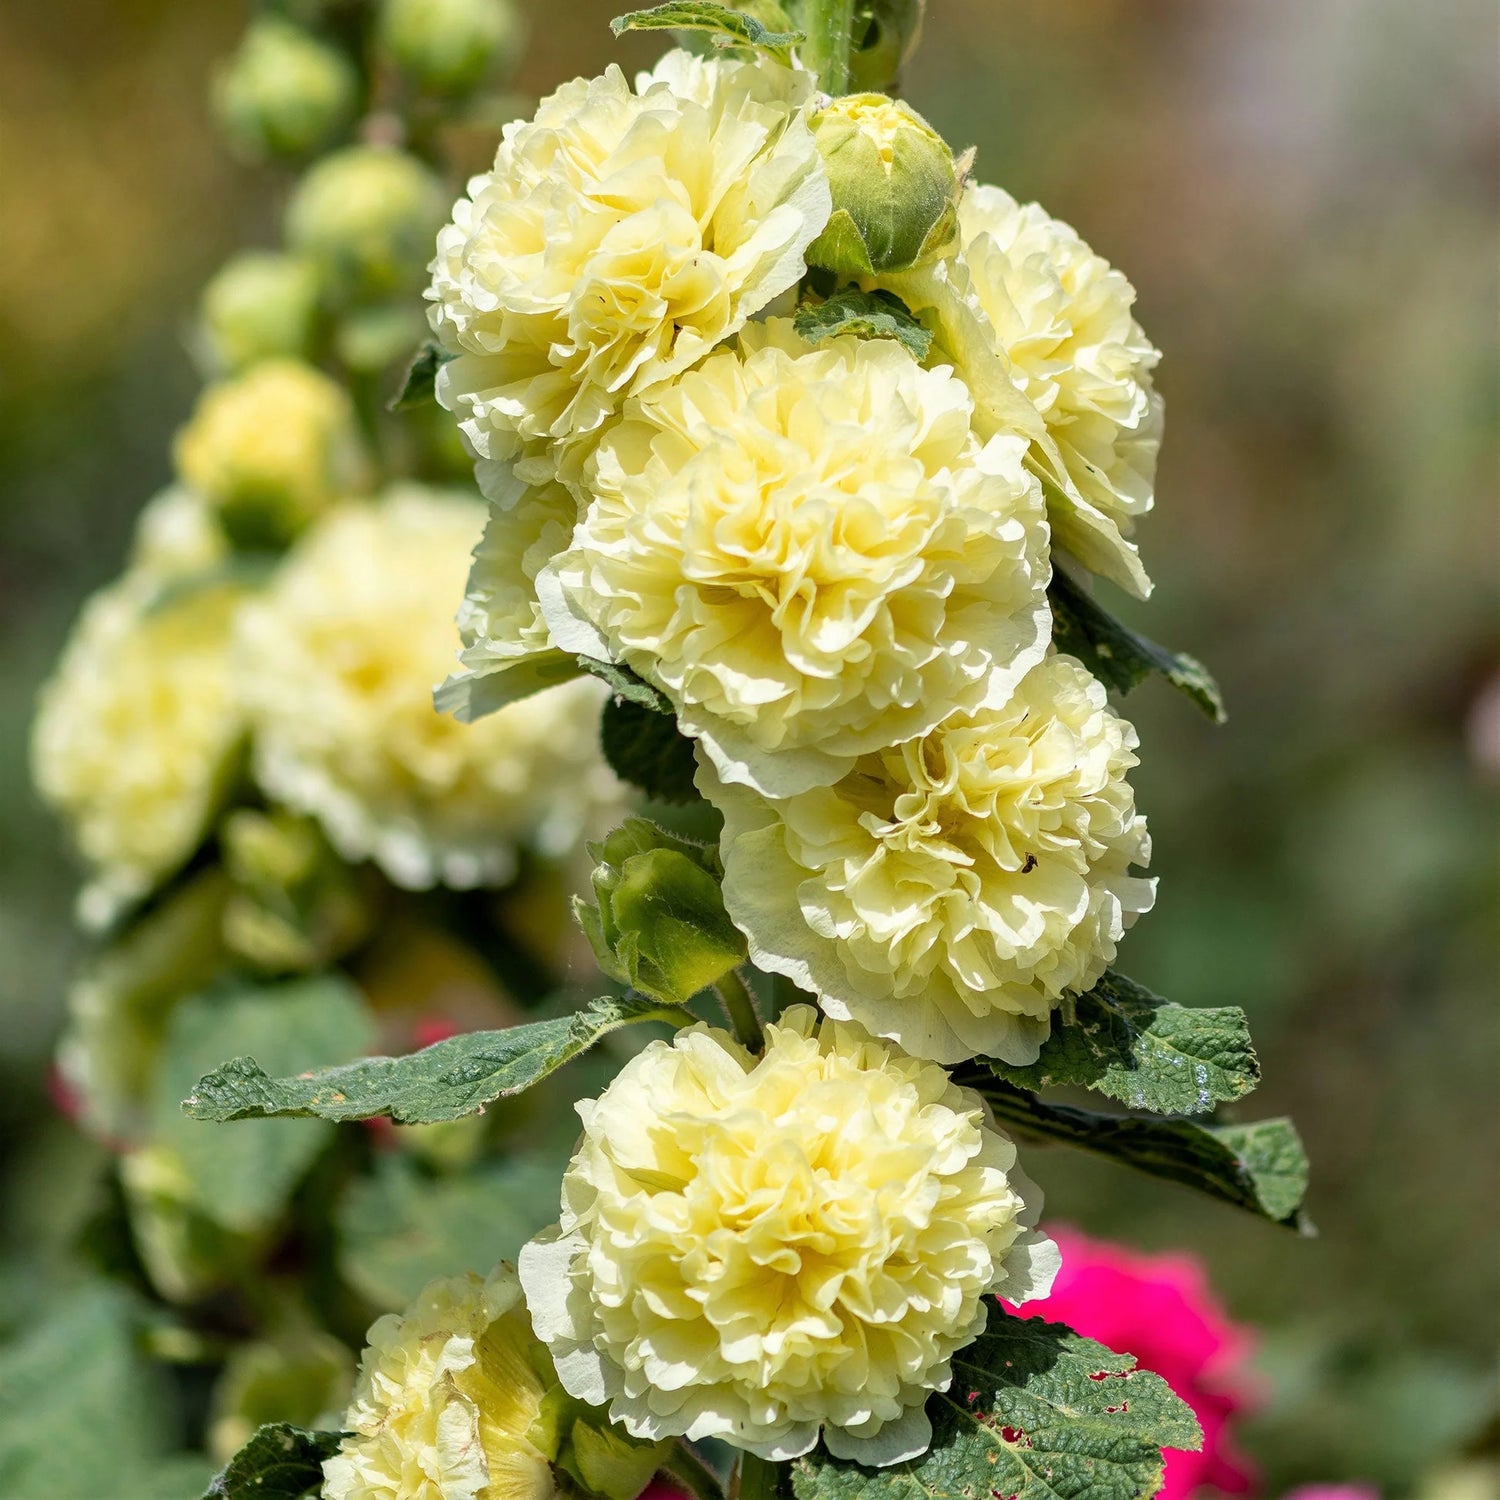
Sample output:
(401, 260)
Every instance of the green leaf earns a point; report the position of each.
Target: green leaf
(646, 749)
(242, 1178)
(1035, 1412)
(727, 27)
(280, 1462)
(399, 1228)
(1117, 656)
(418, 386)
(82, 1412)
(1144, 1051)
(1261, 1167)
(471, 695)
(446, 1081)
(628, 685)
(866, 315)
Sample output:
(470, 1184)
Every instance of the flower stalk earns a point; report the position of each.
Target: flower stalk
(739, 1006)
(829, 25)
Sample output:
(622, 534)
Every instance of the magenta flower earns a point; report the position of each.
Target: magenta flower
(1162, 1309)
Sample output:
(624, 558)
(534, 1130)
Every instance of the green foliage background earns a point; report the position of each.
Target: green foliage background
(1304, 193)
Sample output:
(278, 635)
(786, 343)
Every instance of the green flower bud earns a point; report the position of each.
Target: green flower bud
(369, 217)
(261, 305)
(895, 188)
(371, 339)
(296, 905)
(300, 1377)
(450, 47)
(660, 925)
(886, 34)
(284, 93)
(584, 1444)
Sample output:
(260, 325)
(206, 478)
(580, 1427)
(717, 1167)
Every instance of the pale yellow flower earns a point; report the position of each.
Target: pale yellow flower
(1062, 317)
(757, 1249)
(809, 552)
(271, 449)
(948, 892)
(446, 1395)
(336, 664)
(136, 732)
(620, 235)
(177, 536)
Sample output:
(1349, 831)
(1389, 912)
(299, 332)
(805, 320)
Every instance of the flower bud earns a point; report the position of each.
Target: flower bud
(602, 1458)
(296, 1377)
(295, 905)
(271, 449)
(895, 188)
(261, 305)
(449, 47)
(660, 925)
(284, 93)
(369, 217)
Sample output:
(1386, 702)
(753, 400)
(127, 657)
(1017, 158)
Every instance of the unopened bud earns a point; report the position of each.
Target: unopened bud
(260, 305)
(284, 93)
(369, 217)
(450, 47)
(895, 188)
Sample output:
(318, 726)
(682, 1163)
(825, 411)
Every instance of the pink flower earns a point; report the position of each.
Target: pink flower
(1162, 1309)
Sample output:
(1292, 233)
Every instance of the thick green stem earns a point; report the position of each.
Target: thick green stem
(757, 1479)
(739, 1006)
(692, 1474)
(829, 25)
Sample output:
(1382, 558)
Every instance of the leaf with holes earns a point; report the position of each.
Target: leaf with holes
(726, 27)
(1117, 656)
(446, 1081)
(1144, 1051)
(1261, 1167)
(280, 1462)
(1034, 1412)
(866, 315)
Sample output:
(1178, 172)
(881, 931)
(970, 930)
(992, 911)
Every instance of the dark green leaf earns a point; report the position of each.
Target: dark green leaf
(727, 27)
(1261, 1167)
(646, 749)
(1144, 1051)
(866, 315)
(242, 1178)
(446, 1081)
(1117, 656)
(418, 386)
(1035, 1412)
(280, 1462)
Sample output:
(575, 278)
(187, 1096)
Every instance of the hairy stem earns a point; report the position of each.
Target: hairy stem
(739, 1006)
(692, 1474)
(757, 1479)
(829, 25)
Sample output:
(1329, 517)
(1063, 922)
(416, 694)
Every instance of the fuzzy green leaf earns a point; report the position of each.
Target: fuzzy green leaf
(446, 1081)
(1035, 1412)
(469, 696)
(1144, 1051)
(1117, 656)
(646, 749)
(242, 1178)
(866, 315)
(418, 386)
(726, 27)
(1261, 1167)
(280, 1462)
(627, 685)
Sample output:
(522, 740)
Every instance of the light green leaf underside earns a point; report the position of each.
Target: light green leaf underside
(1117, 656)
(1144, 1051)
(1261, 1167)
(446, 1081)
(1035, 1412)
(727, 27)
(866, 315)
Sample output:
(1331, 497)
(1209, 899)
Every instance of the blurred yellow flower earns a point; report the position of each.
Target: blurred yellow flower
(446, 1395)
(136, 732)
(336, 664)
(949, 891)
(620, 235)
(809, 552)
(271, 449)
(757, 1249)
(1062, 316)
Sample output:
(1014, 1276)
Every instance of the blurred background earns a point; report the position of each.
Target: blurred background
(1304, 193)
